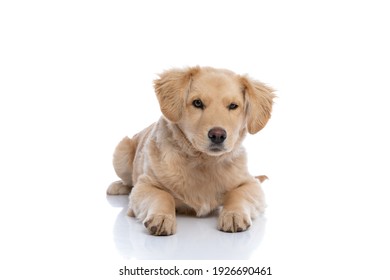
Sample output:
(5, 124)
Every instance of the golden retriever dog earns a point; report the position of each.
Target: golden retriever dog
(192, 159)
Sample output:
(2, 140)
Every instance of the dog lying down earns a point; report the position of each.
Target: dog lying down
(192, 160)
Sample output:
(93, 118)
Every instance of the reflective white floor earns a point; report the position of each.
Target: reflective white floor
(196, 238)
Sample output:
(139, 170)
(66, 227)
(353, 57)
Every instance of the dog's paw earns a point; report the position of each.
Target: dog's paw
(233, 221)
(160, 224)
(118, 188)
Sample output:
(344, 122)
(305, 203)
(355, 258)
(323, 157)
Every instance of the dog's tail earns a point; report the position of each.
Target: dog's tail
(261, 178)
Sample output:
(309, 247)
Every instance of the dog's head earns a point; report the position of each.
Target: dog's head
(213, 107)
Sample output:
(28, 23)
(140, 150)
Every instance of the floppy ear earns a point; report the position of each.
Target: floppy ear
(171, 89)
(258, 98)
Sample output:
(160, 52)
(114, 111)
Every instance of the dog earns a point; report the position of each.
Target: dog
(192, 160)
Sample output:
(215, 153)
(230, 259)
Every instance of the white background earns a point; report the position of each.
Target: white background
(76, 76)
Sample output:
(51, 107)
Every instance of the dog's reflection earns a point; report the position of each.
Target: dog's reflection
(196, 238)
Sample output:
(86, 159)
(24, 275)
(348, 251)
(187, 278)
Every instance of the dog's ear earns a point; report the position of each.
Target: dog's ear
(171, 89)
(258, 98)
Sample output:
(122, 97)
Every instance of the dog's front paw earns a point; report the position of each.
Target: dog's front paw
(160, 224)
(229, 221)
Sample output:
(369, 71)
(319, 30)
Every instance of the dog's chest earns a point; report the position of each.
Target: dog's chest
(201, 186)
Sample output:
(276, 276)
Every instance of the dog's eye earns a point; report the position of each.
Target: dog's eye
(198, 103)
(233, 106)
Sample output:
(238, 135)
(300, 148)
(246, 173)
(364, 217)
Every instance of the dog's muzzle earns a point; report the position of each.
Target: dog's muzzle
(217, 135)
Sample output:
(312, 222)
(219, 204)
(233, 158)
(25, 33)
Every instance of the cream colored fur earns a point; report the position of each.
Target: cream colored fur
(175, 166)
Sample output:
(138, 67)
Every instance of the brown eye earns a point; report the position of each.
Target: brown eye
(233, 106)
(197, 103)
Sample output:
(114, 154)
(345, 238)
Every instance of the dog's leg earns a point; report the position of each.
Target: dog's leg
(123, 165)
(240, 206)
(118, 188)
(154, 206)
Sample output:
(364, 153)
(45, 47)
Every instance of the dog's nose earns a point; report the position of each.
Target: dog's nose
(217, 135)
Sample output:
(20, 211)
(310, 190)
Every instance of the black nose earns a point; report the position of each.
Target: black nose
(217, 135)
